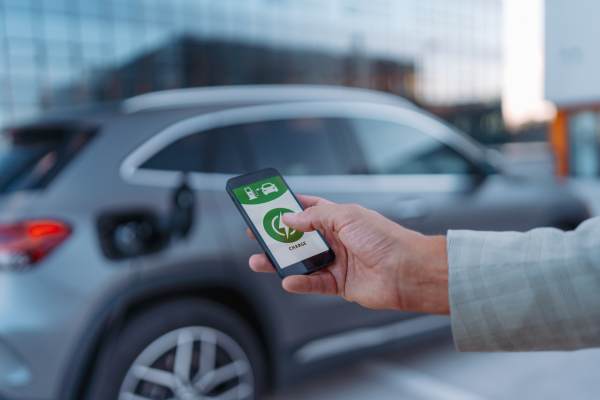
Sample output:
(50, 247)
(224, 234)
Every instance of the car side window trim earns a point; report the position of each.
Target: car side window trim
(130, 168)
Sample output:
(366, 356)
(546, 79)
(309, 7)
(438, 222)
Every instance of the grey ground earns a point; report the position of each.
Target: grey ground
(435, 371)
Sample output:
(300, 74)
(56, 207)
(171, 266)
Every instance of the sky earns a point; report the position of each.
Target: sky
(517, 75)
(523, 64)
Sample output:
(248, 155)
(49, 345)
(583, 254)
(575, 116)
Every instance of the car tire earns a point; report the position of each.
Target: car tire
(151, 356)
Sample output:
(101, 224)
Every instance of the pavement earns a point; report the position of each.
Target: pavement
(436, 371)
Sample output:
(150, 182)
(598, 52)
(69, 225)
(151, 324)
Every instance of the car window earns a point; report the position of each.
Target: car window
(215, 150)
(226, 155)
(293, 147)
(31, 157)
(307, 146)
(185, 154)
(391, 148)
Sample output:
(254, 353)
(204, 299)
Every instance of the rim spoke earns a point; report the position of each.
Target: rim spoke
(183, 355)
(221, 375)
(239, 392)
(208, 352)
(188, 354)
(155, 376)
(131, 396)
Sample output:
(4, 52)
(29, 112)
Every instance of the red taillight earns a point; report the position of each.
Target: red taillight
(25, 243)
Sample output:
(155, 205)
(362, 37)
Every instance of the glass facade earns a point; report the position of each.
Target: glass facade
(61, 52)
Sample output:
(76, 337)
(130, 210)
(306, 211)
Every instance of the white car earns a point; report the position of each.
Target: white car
(269, 188)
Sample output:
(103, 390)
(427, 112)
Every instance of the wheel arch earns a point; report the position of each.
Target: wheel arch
(142, 295)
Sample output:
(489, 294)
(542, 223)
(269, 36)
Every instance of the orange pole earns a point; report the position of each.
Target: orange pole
(558, 136)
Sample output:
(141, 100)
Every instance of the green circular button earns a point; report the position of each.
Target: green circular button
(277, 230)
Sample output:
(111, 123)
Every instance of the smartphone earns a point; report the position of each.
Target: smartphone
(262, 197)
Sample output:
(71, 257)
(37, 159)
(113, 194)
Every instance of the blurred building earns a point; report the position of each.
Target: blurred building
(482, 121)
(440, 53)
(199, 62)
(572, 83)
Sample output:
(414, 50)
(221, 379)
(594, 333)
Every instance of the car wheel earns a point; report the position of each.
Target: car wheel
(185, 349)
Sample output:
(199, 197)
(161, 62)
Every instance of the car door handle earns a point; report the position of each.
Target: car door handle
(409, 208)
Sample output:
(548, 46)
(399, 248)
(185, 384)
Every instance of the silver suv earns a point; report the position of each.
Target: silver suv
(123, 263)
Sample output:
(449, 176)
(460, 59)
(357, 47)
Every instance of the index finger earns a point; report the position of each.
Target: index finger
(330, 218)
(311, 201)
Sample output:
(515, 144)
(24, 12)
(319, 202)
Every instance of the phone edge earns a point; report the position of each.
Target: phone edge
(250, 225)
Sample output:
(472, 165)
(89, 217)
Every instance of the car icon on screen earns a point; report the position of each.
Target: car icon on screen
(269, 188)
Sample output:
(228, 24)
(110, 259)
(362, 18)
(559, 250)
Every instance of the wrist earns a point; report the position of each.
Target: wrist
(436, 266)
(423, 284)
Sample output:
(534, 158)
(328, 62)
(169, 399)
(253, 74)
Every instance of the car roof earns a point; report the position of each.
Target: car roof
(255, 94)
(208, 99)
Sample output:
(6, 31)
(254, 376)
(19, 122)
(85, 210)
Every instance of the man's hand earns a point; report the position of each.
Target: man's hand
(379, 264)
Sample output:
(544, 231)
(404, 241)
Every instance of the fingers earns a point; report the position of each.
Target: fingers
(320, 283)
(311, 201)
(330, 217)
(260, 263)
(306, 201)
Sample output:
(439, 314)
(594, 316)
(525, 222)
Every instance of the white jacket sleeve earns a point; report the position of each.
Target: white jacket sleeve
(512, 291)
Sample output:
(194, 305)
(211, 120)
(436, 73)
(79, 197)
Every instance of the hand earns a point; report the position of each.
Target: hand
(379, 264)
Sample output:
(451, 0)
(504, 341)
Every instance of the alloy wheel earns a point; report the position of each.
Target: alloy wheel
(190, 363)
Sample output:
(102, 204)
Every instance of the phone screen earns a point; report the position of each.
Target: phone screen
(265, 202)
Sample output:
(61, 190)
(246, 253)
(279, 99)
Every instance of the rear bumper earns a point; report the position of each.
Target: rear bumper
(14, 371)
(38, 323)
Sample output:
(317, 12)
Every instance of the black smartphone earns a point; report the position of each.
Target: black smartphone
(262, 197)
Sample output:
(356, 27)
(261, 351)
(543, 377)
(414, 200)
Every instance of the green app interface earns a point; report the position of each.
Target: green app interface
(265, 202)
